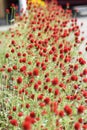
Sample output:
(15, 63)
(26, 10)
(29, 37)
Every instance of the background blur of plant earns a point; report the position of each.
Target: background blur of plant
(41, 2)
(11, 13)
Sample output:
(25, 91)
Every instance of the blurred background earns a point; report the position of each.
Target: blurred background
(8, 8)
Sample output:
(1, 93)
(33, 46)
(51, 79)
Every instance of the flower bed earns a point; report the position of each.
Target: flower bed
(43, 77)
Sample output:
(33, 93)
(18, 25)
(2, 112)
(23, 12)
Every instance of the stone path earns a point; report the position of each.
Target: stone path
(84, 34)
(7, 27)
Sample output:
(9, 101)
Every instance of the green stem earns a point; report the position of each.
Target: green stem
(7, 18)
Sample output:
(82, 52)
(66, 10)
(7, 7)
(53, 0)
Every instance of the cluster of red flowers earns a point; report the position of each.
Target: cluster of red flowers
(43, 73)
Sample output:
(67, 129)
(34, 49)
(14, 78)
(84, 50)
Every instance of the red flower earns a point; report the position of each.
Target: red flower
(81, 109)
(47, 100)
(77, 126)
(23, 68)
(80, 120)
(47, 79)
(19, 80)
(26, 125)
(32, 114)
(27, 105)
(15, 67)
(36, 72)
(68, 110)
(54, 106)
(14, 122)
(76, 67)
(20, 114)
(7, 11)
(13, 5)
(9, 117)
(44, 67)
(41, 104)
(85, 80)
(55, 81)
(85, 71)
(18, 54)
(40, 97)
(14, 108)
(84, 126)
(24, 60)
(74, 77)
(56, 92)
(39, 82)
(85, 93)
(61, 113)
(30, 73)
(9, 70)
(36, 86)
(38, 64)
(7, 55)
(54, 58)
(30, 119)
(82, 61)
(12, 50)
(13, 42)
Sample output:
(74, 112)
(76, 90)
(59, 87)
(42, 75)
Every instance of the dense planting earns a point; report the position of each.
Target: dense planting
(43, 77)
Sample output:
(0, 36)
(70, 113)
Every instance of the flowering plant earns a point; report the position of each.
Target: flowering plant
(43, 77)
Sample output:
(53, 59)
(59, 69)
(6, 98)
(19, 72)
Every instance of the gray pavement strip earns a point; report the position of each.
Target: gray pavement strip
(83, 29)
(7, 27)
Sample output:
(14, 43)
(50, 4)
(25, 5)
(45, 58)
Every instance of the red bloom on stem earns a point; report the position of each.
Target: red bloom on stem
(7, 11)
(36, 86)
(19, 54)
(61, 113)
(81, 109)
(15, 67)
(85, 93)
(44, 68)
(32, 114)
(85, 71)
(84, 126)
(74, 77)
(82, 61)
(85, 80)
(27, 105)
(14, 108)
(9, 70)
(30, 119)
(76, 67)
(26, 125)
(19, 80)
(47, 79)
(9, 117)
(56, 91)
(77, 126)
(68, 110)
(35, 72)
(7, 55)
(13, 5)
(23, 68)
(55, 81)
(47, 100)
(13, 42)
(80, 120)
(54, 106)
(20, 114)
(14, 122)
